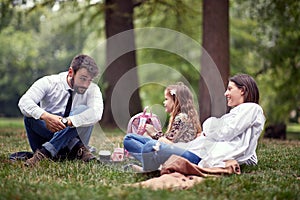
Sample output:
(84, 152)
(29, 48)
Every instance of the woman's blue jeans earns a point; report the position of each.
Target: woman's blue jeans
(152, 153)
(38, 135)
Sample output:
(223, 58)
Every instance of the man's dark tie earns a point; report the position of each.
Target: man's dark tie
(69, 104)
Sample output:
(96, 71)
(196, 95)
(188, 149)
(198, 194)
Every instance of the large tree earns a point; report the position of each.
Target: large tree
(119, 23)
(118, 19)
(215, 40)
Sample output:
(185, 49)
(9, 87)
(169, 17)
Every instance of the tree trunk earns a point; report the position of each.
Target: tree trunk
(216, 43)
(119, 18)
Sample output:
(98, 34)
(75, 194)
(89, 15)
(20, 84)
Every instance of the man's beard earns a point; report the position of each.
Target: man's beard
(79, 90)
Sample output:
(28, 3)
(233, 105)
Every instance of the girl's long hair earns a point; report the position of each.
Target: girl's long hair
(183, 103)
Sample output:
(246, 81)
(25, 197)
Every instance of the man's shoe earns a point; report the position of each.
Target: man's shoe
(37, 157)
(84, 154)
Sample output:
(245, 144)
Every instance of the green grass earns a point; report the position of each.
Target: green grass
(277, 176)
(293, 131)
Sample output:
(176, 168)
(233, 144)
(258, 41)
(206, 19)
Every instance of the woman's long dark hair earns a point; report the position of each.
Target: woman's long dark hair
(248, 85)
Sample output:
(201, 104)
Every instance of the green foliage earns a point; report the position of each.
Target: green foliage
(13, 60)
(264, 34)
(182, 16)
(163, 71)
(244, 57)
(19, 52)
(36, 43)
(6, 13)
(278, 35)
(275, 177)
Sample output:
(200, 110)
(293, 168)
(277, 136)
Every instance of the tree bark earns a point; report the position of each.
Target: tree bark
(119, 18)
(216, 43)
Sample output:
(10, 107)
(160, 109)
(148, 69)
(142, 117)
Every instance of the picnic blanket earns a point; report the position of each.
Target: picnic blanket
(179, 173)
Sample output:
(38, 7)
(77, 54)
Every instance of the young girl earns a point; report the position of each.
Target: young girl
(233, 136)
(184, 125)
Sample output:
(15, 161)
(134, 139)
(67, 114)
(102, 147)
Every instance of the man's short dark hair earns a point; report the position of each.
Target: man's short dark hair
(85, 61)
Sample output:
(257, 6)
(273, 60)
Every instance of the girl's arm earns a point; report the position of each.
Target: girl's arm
(182, 129)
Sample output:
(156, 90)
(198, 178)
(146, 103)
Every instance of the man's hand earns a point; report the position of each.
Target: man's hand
(53, 122)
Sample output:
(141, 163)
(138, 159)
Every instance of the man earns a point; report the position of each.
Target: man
(51, 128)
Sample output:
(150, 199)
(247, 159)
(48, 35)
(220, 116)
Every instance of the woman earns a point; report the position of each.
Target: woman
(184, 125)
(233, 136)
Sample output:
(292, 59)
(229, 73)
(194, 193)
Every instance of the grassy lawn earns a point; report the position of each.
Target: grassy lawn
(277, 176)
(293, 131)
